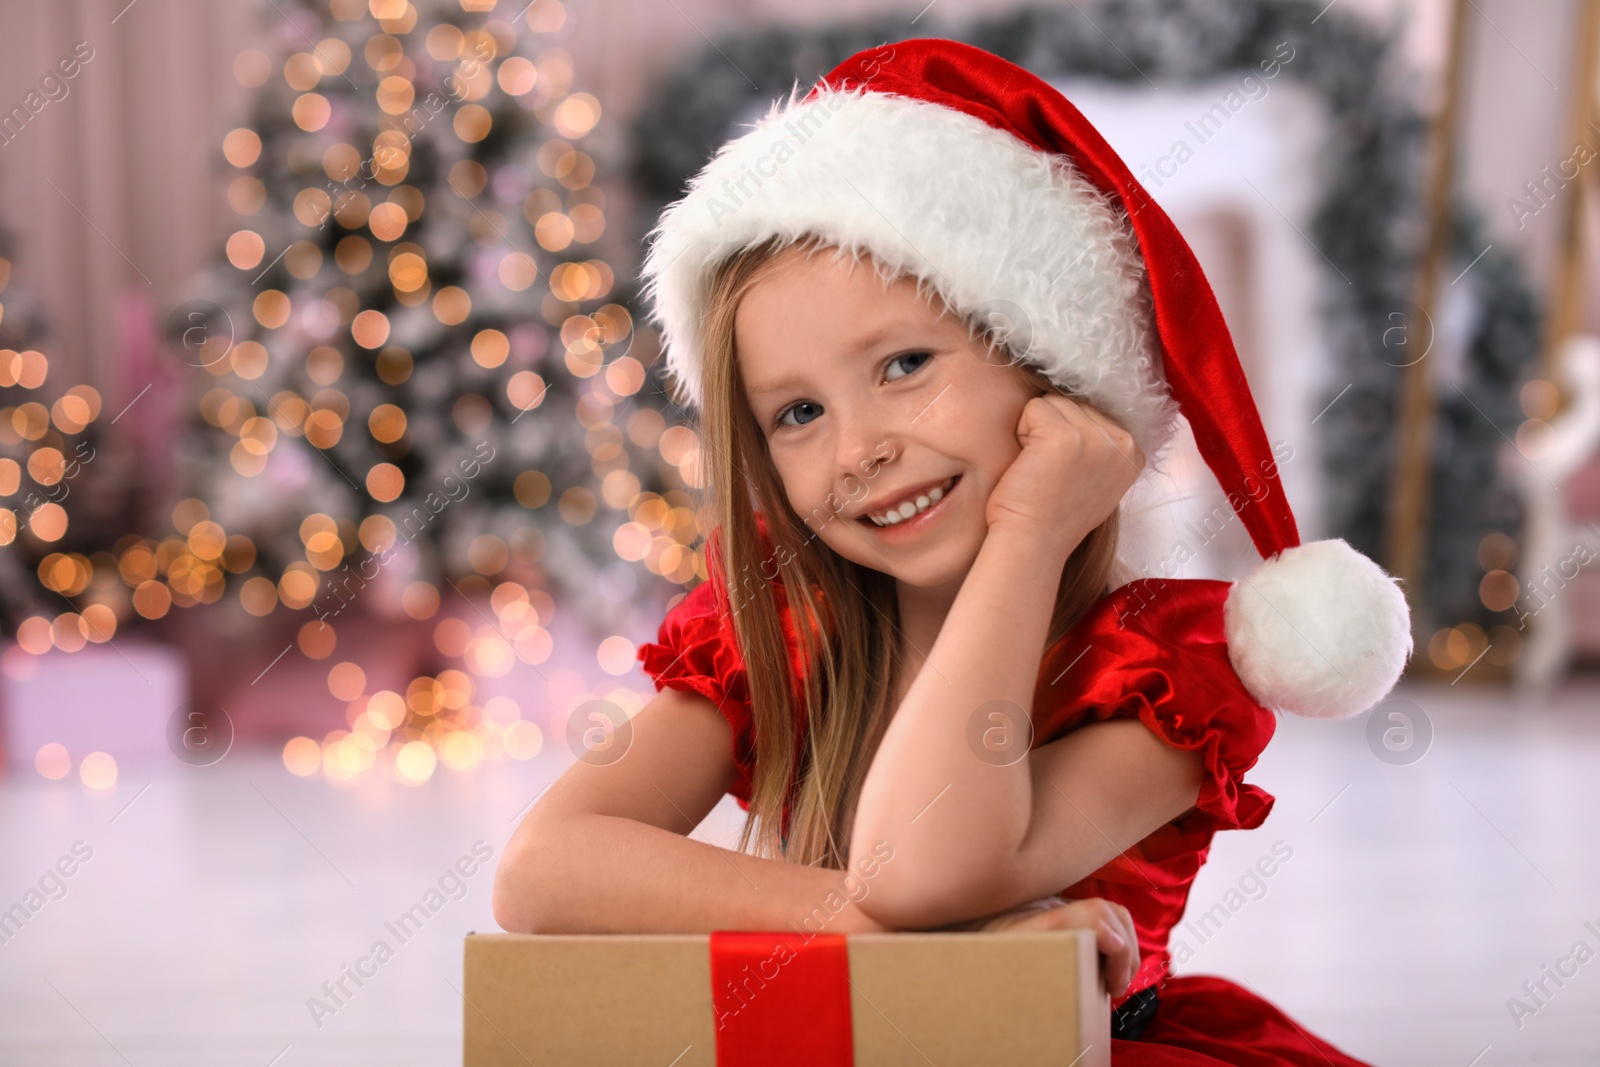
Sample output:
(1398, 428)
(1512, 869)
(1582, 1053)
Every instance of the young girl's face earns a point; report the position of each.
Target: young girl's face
(869, 397)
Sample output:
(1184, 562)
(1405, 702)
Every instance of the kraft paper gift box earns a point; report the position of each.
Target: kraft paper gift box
(738, 999)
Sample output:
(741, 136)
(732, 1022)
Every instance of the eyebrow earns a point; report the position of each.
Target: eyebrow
(863, 343)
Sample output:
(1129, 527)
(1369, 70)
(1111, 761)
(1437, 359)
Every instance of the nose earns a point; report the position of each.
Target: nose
(865, 443)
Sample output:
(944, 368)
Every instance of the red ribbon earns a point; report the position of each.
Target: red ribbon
(781, 999)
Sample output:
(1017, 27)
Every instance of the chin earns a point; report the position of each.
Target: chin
(933, 566)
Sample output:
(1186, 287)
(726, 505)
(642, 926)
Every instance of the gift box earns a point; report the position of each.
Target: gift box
(739, 999)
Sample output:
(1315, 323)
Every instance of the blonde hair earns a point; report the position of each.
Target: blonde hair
(845, 616)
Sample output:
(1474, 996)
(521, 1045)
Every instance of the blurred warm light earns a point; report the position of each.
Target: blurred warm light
(241, 147)
(1505, 645)
(272, 308)
(98, 770)
(323, 428)
(387, 423)
(258, 596)
(332, 56)
(472, 122)
(615, 655)
(302, 756)
(53, 761)
(408, 272)
(377, 533)
(347, 681)
(452, 305)
(1533, 438)
(517, 76)
(393, 365)
(631, 541)
(490, 348)
(487, 554)
(532, 489)
(518, 271)
(387, 708)
(523, 739)
(1540, 399)
(577, 505)
(187, 512)
(472, 413)
(501, 711)
(460, 751)
(206, 539)
(31, 420)
(370, 329)
(245, 249)
(252, 68)
(415, 761)
(316, 639)
(303, 260)
(353, 254)
(311, 111)
(68, 632)
(100, 622)
(1499, 590)
(33, 635)
(450, 636)
(387, 222)
(246, 194)
(1454, 647)
(525, 389)
(46, 465)
(420, 600)
(301, 71)
(577, 115)
(385, 482)
(467, 178)
(395, 95)
(489, 656)
(624, 376)
(48, 522)
(298, 586)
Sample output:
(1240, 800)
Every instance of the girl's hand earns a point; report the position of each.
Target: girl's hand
(1074, 468)
(1115, 936)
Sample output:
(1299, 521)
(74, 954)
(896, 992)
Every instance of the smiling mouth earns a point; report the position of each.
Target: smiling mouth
(911, 518)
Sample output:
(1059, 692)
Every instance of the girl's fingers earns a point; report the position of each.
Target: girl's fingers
(1099, 422)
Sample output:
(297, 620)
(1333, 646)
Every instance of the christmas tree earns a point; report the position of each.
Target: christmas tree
(62, 498)
(413, 376)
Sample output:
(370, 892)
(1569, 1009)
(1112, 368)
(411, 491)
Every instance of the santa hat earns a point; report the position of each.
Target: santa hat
(953, 166)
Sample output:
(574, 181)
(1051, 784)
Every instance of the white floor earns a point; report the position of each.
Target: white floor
(1417, 900)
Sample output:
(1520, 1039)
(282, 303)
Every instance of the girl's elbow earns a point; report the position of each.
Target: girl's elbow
(923, 900)
(516, 898)
(508, 900)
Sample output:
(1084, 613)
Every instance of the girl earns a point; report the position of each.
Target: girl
(917, 663)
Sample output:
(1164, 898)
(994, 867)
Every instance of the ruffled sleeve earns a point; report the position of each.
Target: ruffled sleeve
(1155, 650)
(695, 651)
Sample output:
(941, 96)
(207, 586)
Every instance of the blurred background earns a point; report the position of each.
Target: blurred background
(339, 482)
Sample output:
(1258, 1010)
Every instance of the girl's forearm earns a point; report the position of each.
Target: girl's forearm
(953, 817)
(605, 874)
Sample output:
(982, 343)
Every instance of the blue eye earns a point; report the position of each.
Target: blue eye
(778, 419)
(792, 407)
(909, 355)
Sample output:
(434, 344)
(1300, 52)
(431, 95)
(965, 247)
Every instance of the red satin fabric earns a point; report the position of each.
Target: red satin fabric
(1152, 650)
(781, 999)
(1201, 365)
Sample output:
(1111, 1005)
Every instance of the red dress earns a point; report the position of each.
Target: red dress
(1152, 650)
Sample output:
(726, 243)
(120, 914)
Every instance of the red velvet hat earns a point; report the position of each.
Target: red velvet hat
(951, 165)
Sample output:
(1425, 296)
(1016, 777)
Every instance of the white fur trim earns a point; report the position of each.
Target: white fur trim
(1318, 630)
(986, 221)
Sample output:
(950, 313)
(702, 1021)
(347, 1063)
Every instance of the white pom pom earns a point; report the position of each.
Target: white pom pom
(1318, 630)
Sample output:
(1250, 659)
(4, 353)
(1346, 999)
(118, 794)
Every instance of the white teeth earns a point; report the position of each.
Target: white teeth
(910, 508)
